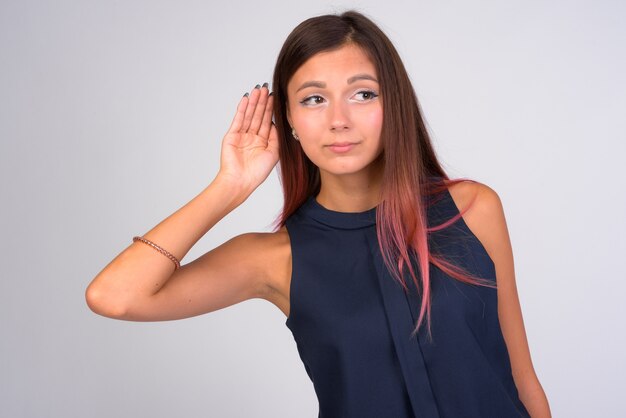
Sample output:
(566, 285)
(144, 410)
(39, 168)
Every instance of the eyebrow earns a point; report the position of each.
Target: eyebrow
(318, 84)
(361, 77)
(321, 84)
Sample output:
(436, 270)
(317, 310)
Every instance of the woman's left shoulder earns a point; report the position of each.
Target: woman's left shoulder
(483, 214)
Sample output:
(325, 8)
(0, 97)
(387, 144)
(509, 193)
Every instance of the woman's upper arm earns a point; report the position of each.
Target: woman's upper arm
(230, 273)
(486, 220)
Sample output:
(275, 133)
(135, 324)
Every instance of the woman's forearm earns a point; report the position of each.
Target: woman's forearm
(140, 271)
(534, 398)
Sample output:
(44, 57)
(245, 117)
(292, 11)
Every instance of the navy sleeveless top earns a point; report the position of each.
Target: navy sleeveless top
(352, 321)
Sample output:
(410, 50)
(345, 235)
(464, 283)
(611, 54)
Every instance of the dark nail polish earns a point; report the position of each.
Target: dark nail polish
(266, 84)
(258, 86)
(271, 93)
(246, 95)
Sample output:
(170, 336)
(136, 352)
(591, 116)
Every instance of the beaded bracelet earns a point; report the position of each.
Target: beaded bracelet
(159, 249)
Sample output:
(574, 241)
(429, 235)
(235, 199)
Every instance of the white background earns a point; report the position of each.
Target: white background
(111, 118)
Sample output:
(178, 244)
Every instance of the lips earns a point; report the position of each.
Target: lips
(341, 147)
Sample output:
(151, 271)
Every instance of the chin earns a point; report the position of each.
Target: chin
(348, 164)
(344, 169)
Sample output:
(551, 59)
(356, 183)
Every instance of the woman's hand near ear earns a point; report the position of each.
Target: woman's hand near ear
(250, 147)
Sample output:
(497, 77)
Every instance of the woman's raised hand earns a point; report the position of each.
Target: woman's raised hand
(139, 284)
(250, 147)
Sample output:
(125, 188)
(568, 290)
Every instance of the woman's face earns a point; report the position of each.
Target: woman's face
(335, 109)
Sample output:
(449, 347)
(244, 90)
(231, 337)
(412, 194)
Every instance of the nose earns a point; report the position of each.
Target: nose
(339, 117)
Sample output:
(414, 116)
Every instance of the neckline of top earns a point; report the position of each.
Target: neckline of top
(442, 208)
(342, 220)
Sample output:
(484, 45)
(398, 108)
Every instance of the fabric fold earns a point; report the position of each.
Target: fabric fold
(408, 349)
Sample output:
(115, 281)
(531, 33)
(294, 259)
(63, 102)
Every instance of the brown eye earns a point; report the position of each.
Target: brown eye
(366, 95)
(312, 100)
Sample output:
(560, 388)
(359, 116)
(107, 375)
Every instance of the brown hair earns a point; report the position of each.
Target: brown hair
(411, 169)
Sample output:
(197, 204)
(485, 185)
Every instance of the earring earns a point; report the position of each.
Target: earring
(294, 134)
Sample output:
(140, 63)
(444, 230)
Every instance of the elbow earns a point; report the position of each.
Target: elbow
(103, 303)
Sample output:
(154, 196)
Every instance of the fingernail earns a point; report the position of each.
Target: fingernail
(246, 95)
(266, 84)
(271, 93)
(258, 86)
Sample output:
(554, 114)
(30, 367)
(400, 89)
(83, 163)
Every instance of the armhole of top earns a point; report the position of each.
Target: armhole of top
(463, 225)
(288, 319)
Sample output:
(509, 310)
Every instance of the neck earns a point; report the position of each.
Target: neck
(354, 192)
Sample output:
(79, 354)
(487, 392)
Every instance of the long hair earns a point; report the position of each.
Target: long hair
(411, 170)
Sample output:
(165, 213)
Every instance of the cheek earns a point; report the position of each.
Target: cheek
(377, 121)
(309, 127)
(306, 125)
(373, 120)
(376, 125)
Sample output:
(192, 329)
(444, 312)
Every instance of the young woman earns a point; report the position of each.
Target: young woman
(401, 305)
